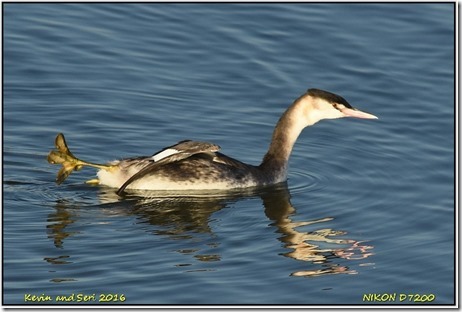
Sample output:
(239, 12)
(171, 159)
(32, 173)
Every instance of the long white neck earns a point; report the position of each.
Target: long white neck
(288, 128)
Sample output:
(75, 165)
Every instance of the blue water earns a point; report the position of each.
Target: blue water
(369, 204)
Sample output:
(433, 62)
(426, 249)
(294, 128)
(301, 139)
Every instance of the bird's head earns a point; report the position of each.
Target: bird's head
(326, 105)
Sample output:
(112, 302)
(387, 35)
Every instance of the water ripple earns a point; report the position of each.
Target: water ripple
(305, 181)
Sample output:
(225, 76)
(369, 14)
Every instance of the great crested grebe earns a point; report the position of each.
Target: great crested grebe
(193, 165)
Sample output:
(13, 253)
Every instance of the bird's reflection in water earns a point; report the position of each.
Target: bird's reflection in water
(187, 216)
(58, 221)
(318, 247)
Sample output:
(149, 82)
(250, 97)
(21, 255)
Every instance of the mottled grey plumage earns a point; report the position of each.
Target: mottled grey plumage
(181, 150)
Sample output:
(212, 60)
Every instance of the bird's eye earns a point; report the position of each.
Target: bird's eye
(338, 106)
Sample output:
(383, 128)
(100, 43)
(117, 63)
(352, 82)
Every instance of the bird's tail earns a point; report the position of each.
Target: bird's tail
(63, 156)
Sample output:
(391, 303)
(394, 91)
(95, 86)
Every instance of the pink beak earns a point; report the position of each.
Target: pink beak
(353, 112)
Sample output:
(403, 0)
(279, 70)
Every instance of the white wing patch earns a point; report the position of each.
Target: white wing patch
(164, 154)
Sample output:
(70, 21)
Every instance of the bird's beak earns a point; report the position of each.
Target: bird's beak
(353, 112)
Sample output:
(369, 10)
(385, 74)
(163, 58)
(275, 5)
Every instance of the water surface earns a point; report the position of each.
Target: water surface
(369, 204)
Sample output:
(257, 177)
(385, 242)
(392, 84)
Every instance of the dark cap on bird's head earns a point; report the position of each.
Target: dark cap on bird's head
(328, 96)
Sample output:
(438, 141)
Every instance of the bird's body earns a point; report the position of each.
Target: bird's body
(197, 172)
(193, 165)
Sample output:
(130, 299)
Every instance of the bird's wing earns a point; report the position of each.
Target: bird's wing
(186, 146)
(177, 152)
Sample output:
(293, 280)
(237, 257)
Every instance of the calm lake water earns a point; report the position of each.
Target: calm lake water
(368, 210)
